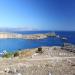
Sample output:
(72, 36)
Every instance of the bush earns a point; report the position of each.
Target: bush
(25, 53)
(39, 50)
(51, 35)
(8, 55)
(16, 54)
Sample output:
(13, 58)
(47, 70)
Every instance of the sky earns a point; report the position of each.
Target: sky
(38, 14)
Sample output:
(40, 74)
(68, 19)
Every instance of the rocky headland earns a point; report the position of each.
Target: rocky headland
(25, 36)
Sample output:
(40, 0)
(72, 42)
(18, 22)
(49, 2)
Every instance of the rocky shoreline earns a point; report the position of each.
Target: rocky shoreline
(25, 36)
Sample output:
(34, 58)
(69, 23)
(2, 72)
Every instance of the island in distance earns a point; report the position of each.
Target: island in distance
(24, 36)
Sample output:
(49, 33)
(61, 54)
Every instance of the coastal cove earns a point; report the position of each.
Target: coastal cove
(13, 44)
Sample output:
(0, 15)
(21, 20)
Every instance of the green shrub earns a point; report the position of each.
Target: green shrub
(39, 50)
(8, 55)
(16, 54)
(51, 35)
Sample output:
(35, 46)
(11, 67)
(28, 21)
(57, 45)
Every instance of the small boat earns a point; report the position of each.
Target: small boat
(64, 38)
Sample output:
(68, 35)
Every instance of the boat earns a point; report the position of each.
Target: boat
(64, 38)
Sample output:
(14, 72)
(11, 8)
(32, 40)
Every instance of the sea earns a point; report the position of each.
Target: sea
(12, 45)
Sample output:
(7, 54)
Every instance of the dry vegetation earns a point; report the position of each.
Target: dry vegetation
(25, 53)
(29, 62)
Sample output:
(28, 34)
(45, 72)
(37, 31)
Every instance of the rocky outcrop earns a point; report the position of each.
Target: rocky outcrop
(23, 36)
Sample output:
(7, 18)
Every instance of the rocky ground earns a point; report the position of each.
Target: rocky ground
(52, 61)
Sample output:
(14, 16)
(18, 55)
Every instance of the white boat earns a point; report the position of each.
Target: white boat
(64, 38)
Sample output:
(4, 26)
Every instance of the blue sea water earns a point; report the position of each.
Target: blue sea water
(12, 45)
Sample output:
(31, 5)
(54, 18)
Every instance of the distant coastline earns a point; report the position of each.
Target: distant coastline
(25, 36)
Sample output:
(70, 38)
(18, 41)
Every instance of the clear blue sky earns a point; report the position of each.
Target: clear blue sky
(38, 14)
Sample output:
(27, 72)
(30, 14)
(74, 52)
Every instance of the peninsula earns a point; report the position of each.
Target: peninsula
(25, 36)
